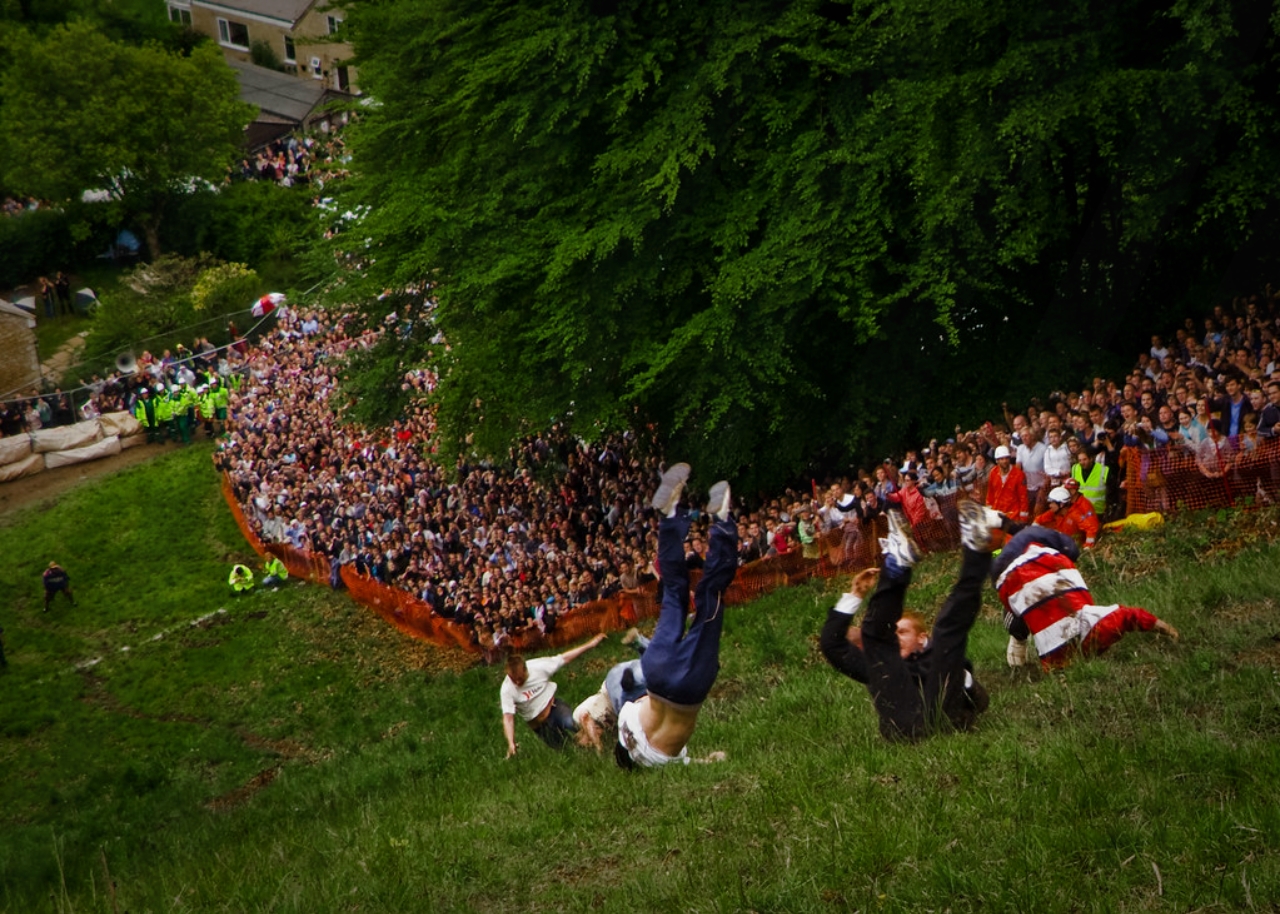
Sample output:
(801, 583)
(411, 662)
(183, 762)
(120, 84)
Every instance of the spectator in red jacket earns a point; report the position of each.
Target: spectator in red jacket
(1007, 487)
(910, 499)
(1072, 514)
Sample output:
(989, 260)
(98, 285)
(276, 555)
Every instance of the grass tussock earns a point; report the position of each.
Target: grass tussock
(290, 752)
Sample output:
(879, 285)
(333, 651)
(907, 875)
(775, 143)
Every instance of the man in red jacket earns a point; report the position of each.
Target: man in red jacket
(1072, 514)
(1007, 488)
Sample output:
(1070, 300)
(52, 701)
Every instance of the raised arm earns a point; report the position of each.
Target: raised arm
(570, 656)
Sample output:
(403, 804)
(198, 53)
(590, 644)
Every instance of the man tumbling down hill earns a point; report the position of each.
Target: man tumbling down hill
(1046, 600)
(680, 666)
(920, 683)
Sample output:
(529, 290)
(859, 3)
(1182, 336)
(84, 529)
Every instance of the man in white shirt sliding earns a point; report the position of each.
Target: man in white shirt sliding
(528, 691)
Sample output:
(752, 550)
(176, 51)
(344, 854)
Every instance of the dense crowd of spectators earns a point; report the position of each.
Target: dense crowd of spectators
(298, 160)
(509, 545)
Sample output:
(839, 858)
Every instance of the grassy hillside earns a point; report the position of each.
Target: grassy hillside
(290, 752)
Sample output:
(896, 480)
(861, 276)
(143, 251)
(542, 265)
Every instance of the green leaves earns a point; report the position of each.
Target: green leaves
(82, 112)
(715, 216)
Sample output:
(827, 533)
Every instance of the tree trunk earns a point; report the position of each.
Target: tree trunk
(151, 231)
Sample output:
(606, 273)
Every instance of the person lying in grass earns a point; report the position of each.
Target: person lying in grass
(920, 681)
(1047, 603)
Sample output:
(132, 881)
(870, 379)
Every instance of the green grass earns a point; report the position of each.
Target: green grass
(296, 754)
(52, 333)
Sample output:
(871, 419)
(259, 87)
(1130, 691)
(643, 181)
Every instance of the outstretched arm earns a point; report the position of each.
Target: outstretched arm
(570, 656)
(509, 728)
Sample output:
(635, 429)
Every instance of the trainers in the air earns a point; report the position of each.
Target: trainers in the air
(899, 543)
(719, 501)
(668, 494)
(976, 525)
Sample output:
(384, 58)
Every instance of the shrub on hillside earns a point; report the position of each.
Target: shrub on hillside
(169, 301)
(244, 222)
(224, 287)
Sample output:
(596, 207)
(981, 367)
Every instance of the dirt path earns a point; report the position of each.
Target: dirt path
(52, 484)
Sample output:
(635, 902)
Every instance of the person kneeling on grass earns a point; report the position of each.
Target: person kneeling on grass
(241, 579)
(276, 573)
(680, 666)
(1046, 600)
(919, 683)
(527, 690)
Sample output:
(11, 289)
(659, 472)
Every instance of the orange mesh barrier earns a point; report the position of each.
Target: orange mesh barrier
(1174, 479)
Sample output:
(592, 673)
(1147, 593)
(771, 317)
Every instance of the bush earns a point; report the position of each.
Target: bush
(224, 288)
(264, 55)
(245, 222)
(172, 300)
(40, 242)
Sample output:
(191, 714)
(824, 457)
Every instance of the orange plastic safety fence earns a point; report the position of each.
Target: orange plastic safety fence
(1238, 473)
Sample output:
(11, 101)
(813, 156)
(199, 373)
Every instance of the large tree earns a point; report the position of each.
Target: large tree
(788, 232)
(81, 112)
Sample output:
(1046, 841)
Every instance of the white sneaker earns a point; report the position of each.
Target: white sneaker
(668, 494)
(899, 543)
(976, 524)
(1016, 653)
(719, 501)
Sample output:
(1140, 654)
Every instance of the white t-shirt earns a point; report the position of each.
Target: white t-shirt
(1031, 459)
(1057, 461)
(631, 736)
(538, 691)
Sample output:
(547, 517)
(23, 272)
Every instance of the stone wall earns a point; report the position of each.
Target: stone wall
(19, 366)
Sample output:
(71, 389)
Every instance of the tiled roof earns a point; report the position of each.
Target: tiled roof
(278, 93)
(285, 10)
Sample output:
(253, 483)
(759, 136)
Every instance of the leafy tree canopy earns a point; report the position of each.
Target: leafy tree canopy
(82, 112)
(133, 21)
(785, 232)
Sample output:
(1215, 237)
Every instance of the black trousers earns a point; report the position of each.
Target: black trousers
(907, 710)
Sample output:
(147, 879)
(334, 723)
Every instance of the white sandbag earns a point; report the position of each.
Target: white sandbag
(14, 448)
(27, 466)
(107, 447)
(66, 437)
(121, 424)
(133, 441)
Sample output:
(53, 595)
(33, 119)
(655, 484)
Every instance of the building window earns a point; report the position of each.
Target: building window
(343, 79)
(180, 16)
(334, 24)
(233, 34)
(315, 68)
(290, 55)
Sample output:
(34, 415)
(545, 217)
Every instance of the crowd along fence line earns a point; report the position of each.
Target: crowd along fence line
(1166, 480)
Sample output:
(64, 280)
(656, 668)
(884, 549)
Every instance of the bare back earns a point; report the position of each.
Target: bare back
(667, 726)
